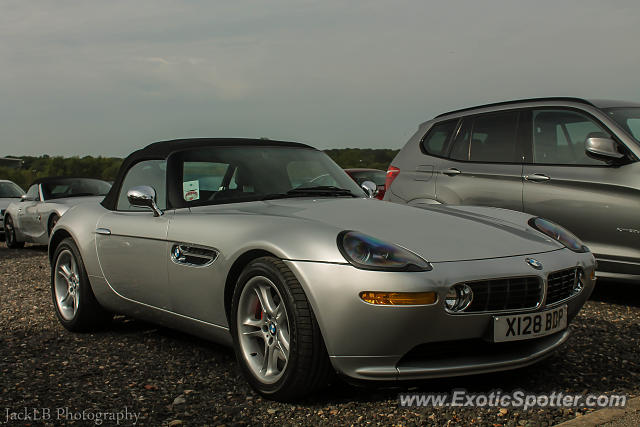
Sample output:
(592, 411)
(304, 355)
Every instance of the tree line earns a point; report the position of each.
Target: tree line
(106, 168)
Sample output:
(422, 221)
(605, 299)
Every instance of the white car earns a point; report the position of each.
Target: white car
(9, 192)
(32, 217)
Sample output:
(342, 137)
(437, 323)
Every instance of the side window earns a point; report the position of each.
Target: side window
(33, 193)
(149, 172)
(494, 138)
(559, 137)
(435, 141)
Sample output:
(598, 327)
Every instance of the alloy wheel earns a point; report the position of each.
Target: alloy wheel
(263, 329)
(67, 284)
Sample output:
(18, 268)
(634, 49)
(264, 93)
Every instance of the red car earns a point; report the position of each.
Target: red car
(377, 176)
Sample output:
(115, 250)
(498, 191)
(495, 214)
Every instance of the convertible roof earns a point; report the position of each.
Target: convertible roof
(161, 150)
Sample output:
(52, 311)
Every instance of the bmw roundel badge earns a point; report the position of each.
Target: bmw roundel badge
(534, 263)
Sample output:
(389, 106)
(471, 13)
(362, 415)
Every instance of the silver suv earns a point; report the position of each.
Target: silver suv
(573, 161)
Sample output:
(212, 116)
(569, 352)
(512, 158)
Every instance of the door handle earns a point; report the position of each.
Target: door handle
(103, 231)
(537, 177)
(452, 172)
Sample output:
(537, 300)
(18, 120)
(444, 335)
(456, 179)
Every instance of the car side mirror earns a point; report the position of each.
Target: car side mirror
(23, 198)
(144, 196)
(370, 188)
(602, 149)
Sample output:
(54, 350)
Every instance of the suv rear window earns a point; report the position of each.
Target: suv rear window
(435, 142)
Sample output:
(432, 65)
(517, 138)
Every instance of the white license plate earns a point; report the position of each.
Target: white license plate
(530, 325)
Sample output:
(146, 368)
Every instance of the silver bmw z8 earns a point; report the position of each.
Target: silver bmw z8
(272, 248)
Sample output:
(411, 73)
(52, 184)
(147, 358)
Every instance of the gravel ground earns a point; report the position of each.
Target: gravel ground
(170, 378)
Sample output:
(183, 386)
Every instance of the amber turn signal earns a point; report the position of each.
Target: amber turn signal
(399, 298)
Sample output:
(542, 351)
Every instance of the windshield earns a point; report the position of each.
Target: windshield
(234, 174)
(628, 118)
(377, 176)
(9, 190)
(74, 187)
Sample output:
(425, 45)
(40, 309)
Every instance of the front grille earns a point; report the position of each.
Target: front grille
(560, 285)
(505, 294)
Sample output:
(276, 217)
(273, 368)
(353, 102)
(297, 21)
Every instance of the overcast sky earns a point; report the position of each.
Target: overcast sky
(107, 77)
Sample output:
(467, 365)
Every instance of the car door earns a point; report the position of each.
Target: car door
(484, 165)
(195, 279)
(27, 212)
(132, 243)
(594, 199)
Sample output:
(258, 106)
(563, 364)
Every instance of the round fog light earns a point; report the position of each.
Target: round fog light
(459, 297)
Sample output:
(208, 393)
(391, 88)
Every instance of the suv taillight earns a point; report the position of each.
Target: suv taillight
(392, 172)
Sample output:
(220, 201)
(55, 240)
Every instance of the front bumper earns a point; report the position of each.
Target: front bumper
(375, 342)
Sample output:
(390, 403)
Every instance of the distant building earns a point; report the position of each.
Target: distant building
(8, 162)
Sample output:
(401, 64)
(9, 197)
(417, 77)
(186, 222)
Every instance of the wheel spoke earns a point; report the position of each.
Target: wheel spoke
(257, 333)
(283, 338)
(283, 353)
(73, 266)
(280, 314)
(266, 300)
(65, 298)
(253, 323)
(272, 364)
(265, 360)
(65, 271)
(75, 302)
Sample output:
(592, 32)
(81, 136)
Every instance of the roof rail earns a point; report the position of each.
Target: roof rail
(518, 101)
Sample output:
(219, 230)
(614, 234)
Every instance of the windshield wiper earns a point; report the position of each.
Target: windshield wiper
(323, 190)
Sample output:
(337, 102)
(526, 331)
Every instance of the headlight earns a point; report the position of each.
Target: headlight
(558, 233)
(369, 253)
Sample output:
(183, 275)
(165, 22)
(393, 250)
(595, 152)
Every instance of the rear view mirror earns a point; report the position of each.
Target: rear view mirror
(144, 196)
(602, 149)
(23, 197)
(370, 188)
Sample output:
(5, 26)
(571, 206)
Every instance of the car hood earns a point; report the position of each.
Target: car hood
(72, 201)
(4, 202)
(438, 234)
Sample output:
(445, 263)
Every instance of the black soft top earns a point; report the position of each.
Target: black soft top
(161, 150)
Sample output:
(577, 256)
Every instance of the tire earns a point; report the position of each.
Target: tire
(10, 234)
(73, 300)
(53, 219)
(258, 331)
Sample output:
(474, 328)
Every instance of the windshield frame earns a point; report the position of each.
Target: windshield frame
(175, 175)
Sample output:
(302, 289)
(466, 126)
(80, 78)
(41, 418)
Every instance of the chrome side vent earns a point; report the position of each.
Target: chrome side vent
(192, 255)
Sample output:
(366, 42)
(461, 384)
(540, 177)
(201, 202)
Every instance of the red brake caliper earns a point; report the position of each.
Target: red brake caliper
(258, 310)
